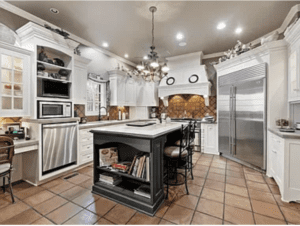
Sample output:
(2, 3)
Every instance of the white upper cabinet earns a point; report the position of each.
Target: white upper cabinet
(292, 36)
(80, 79)
(15, 81)
(117, 85)
(126, 91)
(130, 92)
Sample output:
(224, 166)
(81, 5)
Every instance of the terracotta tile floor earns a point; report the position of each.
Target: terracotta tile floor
(222, 192)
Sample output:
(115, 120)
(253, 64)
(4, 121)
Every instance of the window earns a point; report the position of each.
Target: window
(96, 96)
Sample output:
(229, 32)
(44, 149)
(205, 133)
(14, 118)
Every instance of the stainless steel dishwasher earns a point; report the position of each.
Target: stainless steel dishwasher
(59, 146)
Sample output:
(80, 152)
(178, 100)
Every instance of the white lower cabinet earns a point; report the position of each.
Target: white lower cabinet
(283, 158)
(85, 151)
(209, 138)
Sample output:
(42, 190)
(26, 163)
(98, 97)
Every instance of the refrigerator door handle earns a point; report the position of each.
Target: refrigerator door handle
(233, 120)
(230, 112)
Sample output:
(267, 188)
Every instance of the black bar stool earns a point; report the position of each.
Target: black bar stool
(7, 152)
(176, 158)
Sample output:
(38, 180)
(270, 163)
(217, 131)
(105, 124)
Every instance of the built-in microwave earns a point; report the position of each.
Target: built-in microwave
(54, 109)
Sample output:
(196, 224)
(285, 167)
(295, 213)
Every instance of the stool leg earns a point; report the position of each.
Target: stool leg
(191, 164)
(186, 187)
(167, 179)
(11, 190)
(4, 184)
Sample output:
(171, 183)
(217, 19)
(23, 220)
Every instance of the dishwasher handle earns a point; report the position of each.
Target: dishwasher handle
(59, 125)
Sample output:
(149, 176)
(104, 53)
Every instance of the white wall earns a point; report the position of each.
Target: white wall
(101, 63)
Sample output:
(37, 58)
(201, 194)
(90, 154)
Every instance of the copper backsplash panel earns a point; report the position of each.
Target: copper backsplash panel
(194, 106)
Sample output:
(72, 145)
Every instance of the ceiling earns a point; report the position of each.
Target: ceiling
(126, 25)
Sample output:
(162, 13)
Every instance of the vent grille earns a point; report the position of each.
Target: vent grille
(244, 74)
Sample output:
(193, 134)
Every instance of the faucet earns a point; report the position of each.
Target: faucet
(100, 112)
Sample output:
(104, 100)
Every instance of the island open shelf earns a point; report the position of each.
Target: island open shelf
(131, 141)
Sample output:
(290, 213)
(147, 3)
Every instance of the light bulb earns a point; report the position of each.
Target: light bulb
(221, 26)
(140, 66)
(154, 64)
(146, 71)
(165, 68)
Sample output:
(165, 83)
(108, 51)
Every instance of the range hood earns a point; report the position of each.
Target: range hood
(181, 69)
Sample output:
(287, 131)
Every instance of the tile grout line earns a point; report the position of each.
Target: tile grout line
(249, 197)
(223, 219)
(201, 190)
(277, 202)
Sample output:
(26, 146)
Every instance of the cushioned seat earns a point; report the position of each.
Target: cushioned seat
(173, 151)
(178, 143)
(4, 167)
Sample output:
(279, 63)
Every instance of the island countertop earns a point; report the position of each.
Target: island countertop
(150, 131)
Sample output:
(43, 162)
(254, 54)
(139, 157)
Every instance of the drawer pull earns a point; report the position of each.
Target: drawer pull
(88, 156)
(296, 89)
(274, 151)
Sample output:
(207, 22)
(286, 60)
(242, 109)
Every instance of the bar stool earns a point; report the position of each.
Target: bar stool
(177, 157)
(7, 152)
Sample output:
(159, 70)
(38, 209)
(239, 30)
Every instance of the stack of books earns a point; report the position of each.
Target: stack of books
(140, 167)
(143, 190)
(109, 178)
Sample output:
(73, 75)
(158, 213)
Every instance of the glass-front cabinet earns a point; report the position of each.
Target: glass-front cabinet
(96, 96)
(14, 80)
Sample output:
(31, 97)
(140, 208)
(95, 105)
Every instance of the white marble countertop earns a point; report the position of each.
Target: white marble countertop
(96, 124)
(288, 135)
(151, 131)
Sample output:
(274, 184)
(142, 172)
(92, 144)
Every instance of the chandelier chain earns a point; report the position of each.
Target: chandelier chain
(152, 28)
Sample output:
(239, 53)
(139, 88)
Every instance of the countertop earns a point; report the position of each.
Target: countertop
(96, 124)
(151, 131)
(294, 135)
(25, 143)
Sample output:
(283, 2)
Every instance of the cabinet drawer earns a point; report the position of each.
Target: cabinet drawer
(86, 138)
(85, 158)
(86, 152)
(85, 132)
(86, 147)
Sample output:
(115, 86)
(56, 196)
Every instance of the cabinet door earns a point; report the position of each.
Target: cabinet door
(79, 85)
(294, 89)
(130, 96)
(140, 93)
(210, 139)
(15, 82)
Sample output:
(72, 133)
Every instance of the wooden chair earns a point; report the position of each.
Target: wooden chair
(176, 158)
(7, 152)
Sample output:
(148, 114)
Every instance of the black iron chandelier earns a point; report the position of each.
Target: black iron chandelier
(151, 69)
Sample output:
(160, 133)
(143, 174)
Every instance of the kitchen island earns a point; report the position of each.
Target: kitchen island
(131, 141)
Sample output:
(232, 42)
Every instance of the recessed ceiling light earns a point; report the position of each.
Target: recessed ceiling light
(126, 55)
(145, 57)
(55, 11)
(238, 30)
(221, 26)
(105, 44)
(182, 43)
(179, 36)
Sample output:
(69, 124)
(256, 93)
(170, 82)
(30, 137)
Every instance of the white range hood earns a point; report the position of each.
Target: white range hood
(181, 69)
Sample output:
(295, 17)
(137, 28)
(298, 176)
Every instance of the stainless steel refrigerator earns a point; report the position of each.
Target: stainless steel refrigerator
(242, 115)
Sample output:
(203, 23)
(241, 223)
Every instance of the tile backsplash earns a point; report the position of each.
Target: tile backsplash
(194, 106)
(113, 113)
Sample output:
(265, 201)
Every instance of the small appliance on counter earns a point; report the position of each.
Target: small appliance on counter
(297, 125)
(208, 118)
(83, 120)
(153, 113)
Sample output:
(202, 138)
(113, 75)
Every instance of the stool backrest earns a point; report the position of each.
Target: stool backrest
(184, 139)
(193, 125)
(7, 150)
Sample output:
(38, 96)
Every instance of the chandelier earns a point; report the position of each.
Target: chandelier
(151, 69)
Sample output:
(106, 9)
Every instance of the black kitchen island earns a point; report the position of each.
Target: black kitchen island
(131, 141)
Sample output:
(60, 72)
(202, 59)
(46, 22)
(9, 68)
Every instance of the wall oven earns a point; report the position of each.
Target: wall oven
(54, 109)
